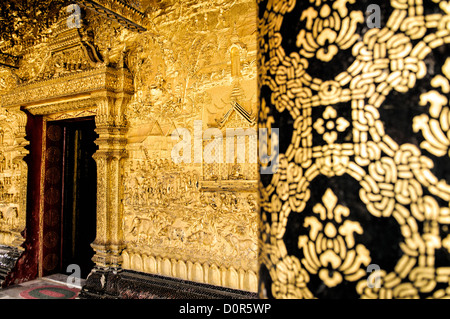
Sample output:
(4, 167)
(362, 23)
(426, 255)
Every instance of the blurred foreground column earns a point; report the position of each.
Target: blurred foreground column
(358, 206)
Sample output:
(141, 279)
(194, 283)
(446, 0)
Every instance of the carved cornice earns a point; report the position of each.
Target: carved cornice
(61, 107)
(101, 79)
(119, 11)
(64, 115)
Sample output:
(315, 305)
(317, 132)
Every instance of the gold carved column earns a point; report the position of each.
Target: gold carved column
(112, 129)
(13, 187)
(13, 176)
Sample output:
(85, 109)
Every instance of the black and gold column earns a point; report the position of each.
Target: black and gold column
(359, 204)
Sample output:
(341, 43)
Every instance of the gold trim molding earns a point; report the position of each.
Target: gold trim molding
(209, 273)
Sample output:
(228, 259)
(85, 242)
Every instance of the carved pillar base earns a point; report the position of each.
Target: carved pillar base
(107, 256)
(126, 284)
(101, 284)
(8, 259)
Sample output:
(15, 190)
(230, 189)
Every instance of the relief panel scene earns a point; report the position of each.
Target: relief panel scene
(194, 69)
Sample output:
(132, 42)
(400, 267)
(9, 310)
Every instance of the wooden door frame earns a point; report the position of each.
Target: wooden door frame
(42, 188)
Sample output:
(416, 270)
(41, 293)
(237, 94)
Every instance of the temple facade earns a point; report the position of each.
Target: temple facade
(229, 148)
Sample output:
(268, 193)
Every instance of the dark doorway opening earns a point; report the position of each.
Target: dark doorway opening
(70, 201)
(80, 195)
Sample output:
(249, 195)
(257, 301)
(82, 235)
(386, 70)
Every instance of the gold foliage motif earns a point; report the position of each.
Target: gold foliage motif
(436, 129)
(338, 132)
(328, 244)
(327, 30)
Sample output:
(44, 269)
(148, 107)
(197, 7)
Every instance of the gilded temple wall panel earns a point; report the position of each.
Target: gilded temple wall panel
(195, 64)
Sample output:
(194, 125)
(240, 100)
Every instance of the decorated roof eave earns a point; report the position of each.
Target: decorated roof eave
(119, 11)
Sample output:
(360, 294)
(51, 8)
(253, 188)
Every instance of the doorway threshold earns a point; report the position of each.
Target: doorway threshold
(50, 287)
(64, 279)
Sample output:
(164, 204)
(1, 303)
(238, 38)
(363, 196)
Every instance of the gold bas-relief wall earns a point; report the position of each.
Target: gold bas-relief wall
(195, 221)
